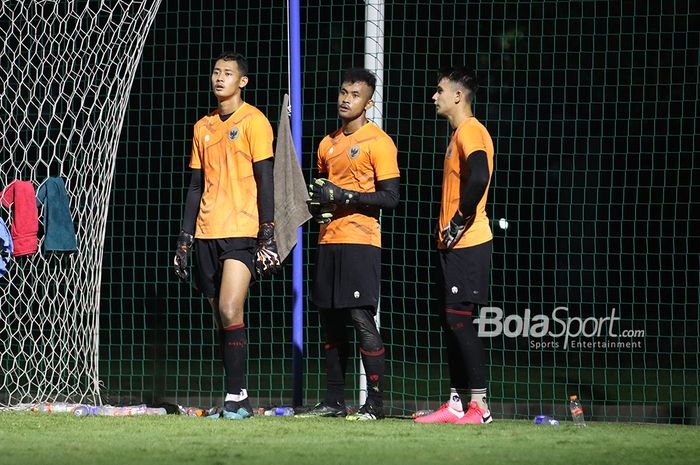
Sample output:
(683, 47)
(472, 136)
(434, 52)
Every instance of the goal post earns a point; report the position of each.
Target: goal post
(67, 69)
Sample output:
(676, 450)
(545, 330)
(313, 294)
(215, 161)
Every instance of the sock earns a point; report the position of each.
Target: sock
(371, 350)
(234, 358)
(242, 394)
(479, 396)
(461, 324)
(336, 363)
(455, 402)
(374, 370)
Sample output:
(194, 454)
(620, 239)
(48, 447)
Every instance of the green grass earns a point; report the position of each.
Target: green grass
(27, 438)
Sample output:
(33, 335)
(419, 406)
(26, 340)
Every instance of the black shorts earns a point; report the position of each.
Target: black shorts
(465, 274)
(347, 276)
(209, 256)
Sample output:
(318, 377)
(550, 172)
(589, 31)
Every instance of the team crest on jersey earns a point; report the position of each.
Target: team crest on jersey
(354, 151)
(233, 134)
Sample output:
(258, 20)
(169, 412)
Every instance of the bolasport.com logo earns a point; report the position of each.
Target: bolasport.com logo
(559, 330)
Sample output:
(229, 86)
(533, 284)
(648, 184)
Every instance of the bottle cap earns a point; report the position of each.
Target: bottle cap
(573, 397)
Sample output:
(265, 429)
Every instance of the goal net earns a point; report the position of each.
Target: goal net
(66, 71)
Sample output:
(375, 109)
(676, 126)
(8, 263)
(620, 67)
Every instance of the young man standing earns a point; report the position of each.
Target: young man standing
(229, 216)
(464, 243)
(360, 162)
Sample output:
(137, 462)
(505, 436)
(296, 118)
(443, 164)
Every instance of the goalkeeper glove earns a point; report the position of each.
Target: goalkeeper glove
(325, 192)
(322, 214)
(184, 243)
(267, 260)
(454, 231)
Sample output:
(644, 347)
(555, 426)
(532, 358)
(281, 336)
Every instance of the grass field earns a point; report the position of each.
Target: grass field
(28, 438)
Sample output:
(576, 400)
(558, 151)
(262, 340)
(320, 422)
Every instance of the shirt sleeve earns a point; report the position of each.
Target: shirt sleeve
(470, 140)
(260, 137)
(384, 158)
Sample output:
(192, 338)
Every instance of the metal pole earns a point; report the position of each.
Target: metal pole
(374, 61)
(297, 255)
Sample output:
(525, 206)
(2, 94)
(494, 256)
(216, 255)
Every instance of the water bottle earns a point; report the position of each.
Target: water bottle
(54, 407)
(545, 420)
(85, 411)
(128, 411)
(279, 412)
(421, 413)
(156, 411)
(576, 411)
(125, 411)
(284, 412)
(192, 411)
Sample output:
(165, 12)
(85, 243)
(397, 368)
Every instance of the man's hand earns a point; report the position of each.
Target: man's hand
(322, 214)
(325, 192)
(453, 232)
(184, 244)
(267, 260)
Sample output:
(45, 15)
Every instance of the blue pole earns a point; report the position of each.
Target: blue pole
(297, 257)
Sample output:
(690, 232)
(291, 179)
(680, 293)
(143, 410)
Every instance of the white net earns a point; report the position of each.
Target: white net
(66, 71)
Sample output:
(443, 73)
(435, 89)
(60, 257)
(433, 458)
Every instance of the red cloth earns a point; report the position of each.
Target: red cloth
(25, 221)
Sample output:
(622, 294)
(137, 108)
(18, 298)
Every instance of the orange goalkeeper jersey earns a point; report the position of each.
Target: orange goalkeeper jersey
(356, 162)
(225, 152)
(471, 136)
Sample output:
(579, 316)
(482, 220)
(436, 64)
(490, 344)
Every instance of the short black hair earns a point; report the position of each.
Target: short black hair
(466, 77)
(361, 75)
(238, 58)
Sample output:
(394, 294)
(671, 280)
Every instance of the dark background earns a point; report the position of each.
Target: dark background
(592, 106)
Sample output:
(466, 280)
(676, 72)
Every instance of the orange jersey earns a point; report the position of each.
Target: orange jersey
(225, 152)
(356, 162)
(471, 136)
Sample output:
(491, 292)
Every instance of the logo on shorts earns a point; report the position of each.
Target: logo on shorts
(233, 134)
(354, 151)
(356, 294)
(454, 289)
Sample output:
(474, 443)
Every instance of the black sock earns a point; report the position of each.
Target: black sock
(336, 363)
(461, 324)
(455, 364)
(336, 354)
(374, 370)
(235, 351)
(371, 350)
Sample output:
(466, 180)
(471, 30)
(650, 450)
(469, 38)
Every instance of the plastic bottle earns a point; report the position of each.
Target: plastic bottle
(545, 420)
(127, 411)
(84, 411)
(576, 411)
(156, 411)
(421, 413)
(284, 412)
(192, 411)
(54, 407)
(279, 412)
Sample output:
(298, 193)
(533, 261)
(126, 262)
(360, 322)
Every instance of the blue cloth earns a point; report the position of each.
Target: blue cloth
(58, 224)
(6, 247)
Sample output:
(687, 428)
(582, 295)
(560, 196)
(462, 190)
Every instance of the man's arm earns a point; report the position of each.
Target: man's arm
(194, 197)
(267, 259)
(386, 196)
(471, 191)
(186, 236)
(263, 171)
